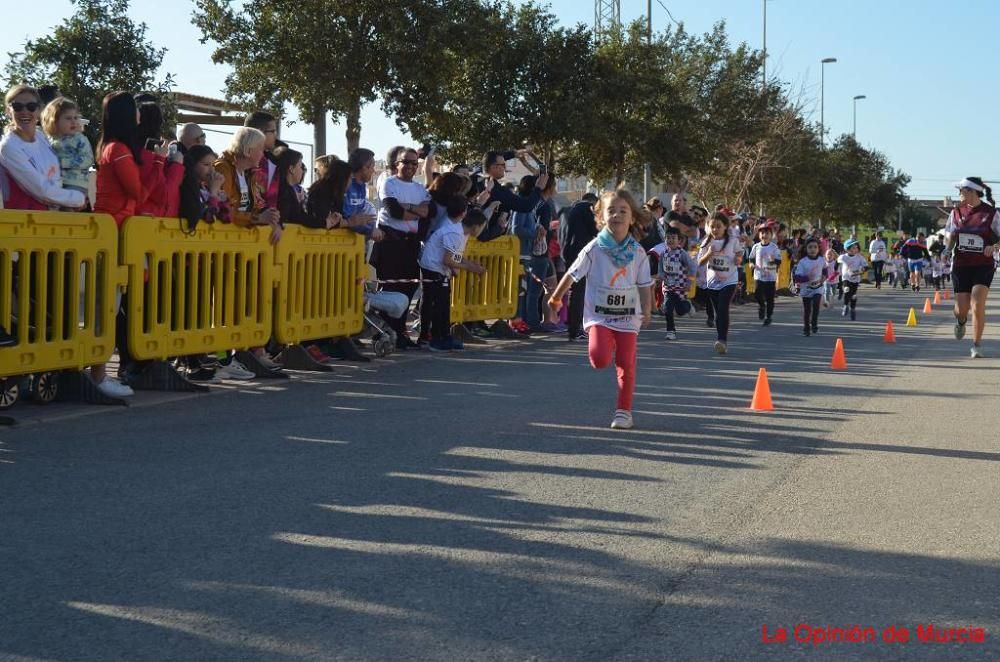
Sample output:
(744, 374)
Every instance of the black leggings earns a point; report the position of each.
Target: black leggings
(877, 266)
(850, 294)
(810, 311)
(396, 258)
(764, 293)
(720, 300)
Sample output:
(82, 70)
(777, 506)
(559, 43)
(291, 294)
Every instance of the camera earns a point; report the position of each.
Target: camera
(425, 150)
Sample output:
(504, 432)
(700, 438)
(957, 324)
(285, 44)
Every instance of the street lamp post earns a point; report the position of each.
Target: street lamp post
(822, 98)
(854, 131)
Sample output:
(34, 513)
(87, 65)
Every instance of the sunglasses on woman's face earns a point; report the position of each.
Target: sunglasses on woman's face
(409, 162)
(19, 107)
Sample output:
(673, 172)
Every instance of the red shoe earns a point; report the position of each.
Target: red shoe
(318, 355)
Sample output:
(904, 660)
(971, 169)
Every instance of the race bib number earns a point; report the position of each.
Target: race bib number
(616, 302)
(855, 272)
(813, 284)
(671, 269)
(720, 263)
(970, 243)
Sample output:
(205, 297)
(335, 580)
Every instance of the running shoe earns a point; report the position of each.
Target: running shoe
(235, 371)
(671, 335)
(455, 344)
(710, 323)
(203, 376)
(760, 314)
(403, 343)
(553, 327)
(720, 347)
(815, 330)
(959, 330)
(622, 420)
(805, 332)
(318, 355)
(577, 335)
(439, 345)
(267, 362)
(854, 314)
(767, 321)
(846, 309)
(977, 352)
(113, 388)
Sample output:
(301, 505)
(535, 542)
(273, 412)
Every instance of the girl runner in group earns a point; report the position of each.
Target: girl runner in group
(973, 231)
(810, 274)
(722, 254)
(765, 258)
(852, 263)
(617, 300)
(832, 276)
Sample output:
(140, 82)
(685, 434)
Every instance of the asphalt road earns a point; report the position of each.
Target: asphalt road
(476, 506)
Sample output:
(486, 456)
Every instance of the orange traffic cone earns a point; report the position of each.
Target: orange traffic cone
(927, 306)
(947, 295)
(762, 393)
(890, 335)
(839, 361)
(937, 297)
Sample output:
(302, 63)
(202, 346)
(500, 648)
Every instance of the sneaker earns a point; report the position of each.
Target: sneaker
(454, 344)
(553, 327)
(318, 355)
(854, 314)
(720, 347)
(622, 420)
(577, 335)
(977, 352)
(671, 335)
(815, 330)
(710, 323)
(235, 371)
(404, 343)
(203, 376)
(113, 388)
(805, 332)
(267, 362)
(439, 345)
(767, 321)
(959, 330)
(760, 315)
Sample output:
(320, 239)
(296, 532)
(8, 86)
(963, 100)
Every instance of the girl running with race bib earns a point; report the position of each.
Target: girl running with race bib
(765, 257)
(722, 254)
(852, 264)
(810, 275)
(973, 231)
(617, 300)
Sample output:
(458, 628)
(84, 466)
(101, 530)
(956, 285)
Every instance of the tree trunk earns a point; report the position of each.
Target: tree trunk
(353, 132)
(319, 132)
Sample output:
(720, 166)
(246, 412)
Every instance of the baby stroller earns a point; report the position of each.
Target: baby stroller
(393, 304)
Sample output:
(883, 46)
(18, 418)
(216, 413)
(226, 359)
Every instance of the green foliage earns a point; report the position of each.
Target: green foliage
(96, 50)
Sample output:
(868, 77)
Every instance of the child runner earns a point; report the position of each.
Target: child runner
(832, 276)
(937, 270)
(617, 299)
(722, 254)
(442, 257)
(902, 272)
(890, 272)
(677, 270)
(765, 258)
(810, 275)
(852, 263)
(946, 268)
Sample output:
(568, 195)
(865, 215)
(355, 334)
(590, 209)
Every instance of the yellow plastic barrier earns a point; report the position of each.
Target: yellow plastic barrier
(195, 293)
(492, 295)
(320, 284)
(785, 271)
(751, 283)
(59, 276)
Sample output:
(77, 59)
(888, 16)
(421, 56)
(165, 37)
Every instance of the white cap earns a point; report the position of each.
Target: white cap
(966, 183)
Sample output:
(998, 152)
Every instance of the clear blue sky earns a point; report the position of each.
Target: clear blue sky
(905, 55)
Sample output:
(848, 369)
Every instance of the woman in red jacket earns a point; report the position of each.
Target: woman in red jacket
(162, 200)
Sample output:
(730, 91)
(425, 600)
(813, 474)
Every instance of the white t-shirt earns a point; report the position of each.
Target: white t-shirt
(851, 267)
(405, 193)
(35, 168)
(241, 180)
(811, 268)
(876, 249)
(449, 238)
(721, 269)
(612, 295)
(765, 257)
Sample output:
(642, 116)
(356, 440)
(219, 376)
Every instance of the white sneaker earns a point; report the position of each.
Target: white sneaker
(113, 388)
(720, 347)
(266, 361)
(235, 370)
(959, 330)
(622, 420)
(671, 335)
(977, 352)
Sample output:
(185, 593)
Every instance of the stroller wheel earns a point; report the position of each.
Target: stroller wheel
(9, 390)
(382, 346)
(44, 387)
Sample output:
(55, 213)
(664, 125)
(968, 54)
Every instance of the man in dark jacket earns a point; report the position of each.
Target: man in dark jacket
(579, 230)
(494, 168)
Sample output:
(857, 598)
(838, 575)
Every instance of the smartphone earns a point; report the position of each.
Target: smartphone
(172, 150)
(153, 143)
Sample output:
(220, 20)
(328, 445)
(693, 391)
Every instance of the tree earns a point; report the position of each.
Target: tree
(97, 50)
(326, 57)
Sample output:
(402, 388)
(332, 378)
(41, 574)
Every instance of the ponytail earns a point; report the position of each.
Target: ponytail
(989, 195)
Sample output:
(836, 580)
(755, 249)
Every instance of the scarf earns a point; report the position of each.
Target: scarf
(621, 254)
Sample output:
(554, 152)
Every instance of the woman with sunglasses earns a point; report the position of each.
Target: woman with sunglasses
(973, 232)
(29, 169)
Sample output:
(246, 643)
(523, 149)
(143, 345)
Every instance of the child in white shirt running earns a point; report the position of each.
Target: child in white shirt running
(852, 264)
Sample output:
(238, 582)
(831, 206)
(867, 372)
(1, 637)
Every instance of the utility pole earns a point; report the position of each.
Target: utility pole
(649, 42)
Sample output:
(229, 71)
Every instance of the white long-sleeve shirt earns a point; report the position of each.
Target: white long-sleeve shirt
(35, 168)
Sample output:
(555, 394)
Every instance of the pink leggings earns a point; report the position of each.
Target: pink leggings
(604, 343)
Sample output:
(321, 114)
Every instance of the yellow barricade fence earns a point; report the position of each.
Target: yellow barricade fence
(320, 290)
(785, 271)
(751, 283)
(492, 295)
(193, 293)
(59, 278)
